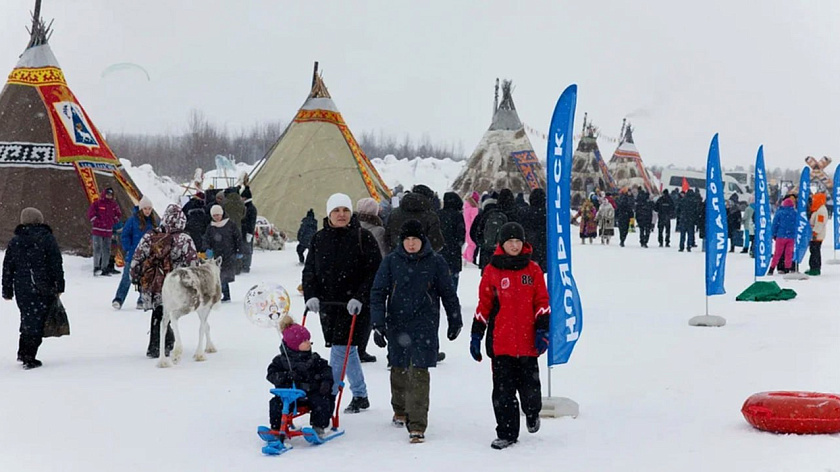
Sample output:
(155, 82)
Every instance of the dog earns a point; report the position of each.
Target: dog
(196, 288)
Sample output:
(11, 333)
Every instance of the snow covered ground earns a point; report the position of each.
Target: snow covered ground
(655, 394)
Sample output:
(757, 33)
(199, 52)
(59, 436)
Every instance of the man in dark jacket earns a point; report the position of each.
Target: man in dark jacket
(454, 233)
(664, 211)
(644, 216)
(733, 219)
(198, 219)
(402, 307)
(415, 205)
(308, 228)
(507, 205)
(249, 226)
(533, 221)
(233, 205)
(337, 276)
(33, 274)
(687, 220)
(485, 228)
(623, 213)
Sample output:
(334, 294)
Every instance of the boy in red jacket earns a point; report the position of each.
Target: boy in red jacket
(513, 302)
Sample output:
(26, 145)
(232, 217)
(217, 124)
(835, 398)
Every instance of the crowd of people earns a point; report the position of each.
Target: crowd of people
(634, 209)
(383, 270)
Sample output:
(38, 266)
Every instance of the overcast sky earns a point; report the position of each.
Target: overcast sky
(756, 72)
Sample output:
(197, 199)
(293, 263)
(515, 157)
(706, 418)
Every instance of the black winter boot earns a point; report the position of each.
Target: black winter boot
(153, 351)
(357, 404)
(169, 341)
(28, 349)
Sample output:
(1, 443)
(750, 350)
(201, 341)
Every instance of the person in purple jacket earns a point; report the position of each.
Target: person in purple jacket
(103, 214)
(784, 234)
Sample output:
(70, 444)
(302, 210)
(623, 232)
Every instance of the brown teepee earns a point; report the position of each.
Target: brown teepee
(52, 157)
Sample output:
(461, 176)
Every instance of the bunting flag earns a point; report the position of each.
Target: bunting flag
(566, 310)
(836, 191)
(717, 230)
(763, 242)
(803, 225)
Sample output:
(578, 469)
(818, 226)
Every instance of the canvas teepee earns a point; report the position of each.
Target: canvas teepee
(52, 157)
(589, 171)
(315, 157)
(626, 165)
(504, 158)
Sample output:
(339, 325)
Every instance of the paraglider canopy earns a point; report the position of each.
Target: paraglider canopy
(128, 67)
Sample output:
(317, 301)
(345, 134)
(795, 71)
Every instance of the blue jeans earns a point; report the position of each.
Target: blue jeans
(690, 235)
(125, 284)
(746, 240)
(354, 370)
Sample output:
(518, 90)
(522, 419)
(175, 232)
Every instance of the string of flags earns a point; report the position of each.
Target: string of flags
(539, 134)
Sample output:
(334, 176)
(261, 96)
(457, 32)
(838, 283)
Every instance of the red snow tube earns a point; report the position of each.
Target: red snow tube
(793, 412)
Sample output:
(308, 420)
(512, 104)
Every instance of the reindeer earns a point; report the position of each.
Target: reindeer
(195, 288)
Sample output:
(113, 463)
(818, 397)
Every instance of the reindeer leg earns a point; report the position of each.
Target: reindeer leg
(162, 359)
(178, 349)
(202, 333)
(211, 348)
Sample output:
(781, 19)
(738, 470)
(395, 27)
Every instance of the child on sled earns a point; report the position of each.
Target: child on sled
(298, 367)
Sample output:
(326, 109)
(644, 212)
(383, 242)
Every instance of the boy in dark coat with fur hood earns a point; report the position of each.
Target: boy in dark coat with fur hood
(513, 304)
(298, 367)
(405, 318)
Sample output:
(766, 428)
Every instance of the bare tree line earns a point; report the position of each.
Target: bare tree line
(381, 145)
(179, 156)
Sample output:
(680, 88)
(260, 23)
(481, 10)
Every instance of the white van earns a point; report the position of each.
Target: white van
(673, 178)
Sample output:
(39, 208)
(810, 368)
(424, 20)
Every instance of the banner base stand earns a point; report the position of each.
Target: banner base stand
(707, 320)
(795, 276)
(558, 407)
(832, 262)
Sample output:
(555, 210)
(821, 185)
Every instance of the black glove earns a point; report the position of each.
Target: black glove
(452, 332)
(475, 347)
(379, 337)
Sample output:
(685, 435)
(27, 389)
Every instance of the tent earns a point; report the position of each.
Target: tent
(626, 164)
(589, 171)
(52, 157)
(504, 158)
(315, 157)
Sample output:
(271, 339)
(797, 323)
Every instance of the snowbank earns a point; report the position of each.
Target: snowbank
(161, 190)
(438, 174)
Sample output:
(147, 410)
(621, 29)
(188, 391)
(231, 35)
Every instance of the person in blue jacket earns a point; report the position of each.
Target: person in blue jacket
(784, 234)
(141, 222)
(405, 318)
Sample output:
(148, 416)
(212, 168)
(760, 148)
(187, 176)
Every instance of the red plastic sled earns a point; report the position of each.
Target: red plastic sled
(793, 412)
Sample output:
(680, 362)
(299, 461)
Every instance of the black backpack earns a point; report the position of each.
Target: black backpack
(492, 224)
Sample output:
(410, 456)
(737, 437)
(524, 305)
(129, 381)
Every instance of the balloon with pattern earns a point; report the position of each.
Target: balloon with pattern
(266, 304)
